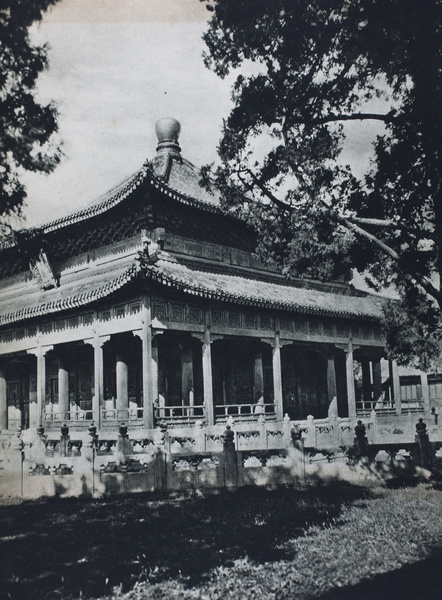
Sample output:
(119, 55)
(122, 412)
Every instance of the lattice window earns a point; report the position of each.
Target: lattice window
(342, 330)
(435, 388)
(411, 393)
(119, 312)
(159, 310)
(328, 328)
(13, 393)
(195, 315)
(285, 323)
(266, 322)
(88, 319)
(134, 308)
(314, 327)
(177, 313)
(217, 317)
(46, 328)
(250, 321)
(301, 326)
(85, 386)
(234, 320)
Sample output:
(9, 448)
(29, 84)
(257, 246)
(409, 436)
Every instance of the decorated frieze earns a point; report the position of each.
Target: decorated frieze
(297, 327)
(215, 252)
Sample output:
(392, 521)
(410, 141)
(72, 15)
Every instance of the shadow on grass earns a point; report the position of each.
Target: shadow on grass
(418, 581)
(60, 548)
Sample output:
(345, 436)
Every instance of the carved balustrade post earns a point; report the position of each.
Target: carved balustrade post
(229, 458)
(199, 436)
(64, 440)
(124, 447)
(423, 449)
(360, 443)
(296, 436)
(286, 430)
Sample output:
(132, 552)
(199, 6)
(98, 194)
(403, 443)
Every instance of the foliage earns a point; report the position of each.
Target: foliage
(26, 126)
(309, 69)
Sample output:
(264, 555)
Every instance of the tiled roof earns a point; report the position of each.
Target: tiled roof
(255, 292)
(76, 288)
(184, 179)
(84, 284)
(182, 185)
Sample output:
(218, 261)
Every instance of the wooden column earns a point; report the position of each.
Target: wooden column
(351, 396)
(3, 400)
(396, 386)
(98, 398)
(258, 378)
(37, 419)
(366, 382)
(425, 393)
(207, 378)
(99, 377)
(122, 383)
(331, 386)
(187, 387)
(150, 393)
(155, 370)
(63, 390)
(377, 380)
(277, 379)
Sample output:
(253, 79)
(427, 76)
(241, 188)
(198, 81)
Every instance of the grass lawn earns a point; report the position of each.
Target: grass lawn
(333, 541)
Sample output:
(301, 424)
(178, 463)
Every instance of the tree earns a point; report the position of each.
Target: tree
(26, 126)
(309, 68)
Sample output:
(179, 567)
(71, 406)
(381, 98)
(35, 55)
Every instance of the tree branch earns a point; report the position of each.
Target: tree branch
(375, 222)
(282, 205)
(388, 118)
(421, 280)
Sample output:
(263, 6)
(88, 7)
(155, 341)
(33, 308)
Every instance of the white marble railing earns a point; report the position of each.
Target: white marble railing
(243, 410)
(122, 414)
(53, 416)
(180, 412)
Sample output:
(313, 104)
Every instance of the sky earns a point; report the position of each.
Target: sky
(115, 68)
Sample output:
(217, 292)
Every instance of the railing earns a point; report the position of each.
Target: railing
(412, 406)
(122, 414)
(244, 410)
(363, 409)
(61, 417)
(180, 412)
(385, 408)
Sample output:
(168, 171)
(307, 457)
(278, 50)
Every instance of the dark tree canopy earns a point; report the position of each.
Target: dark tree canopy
(26, 127)
(309, 68)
